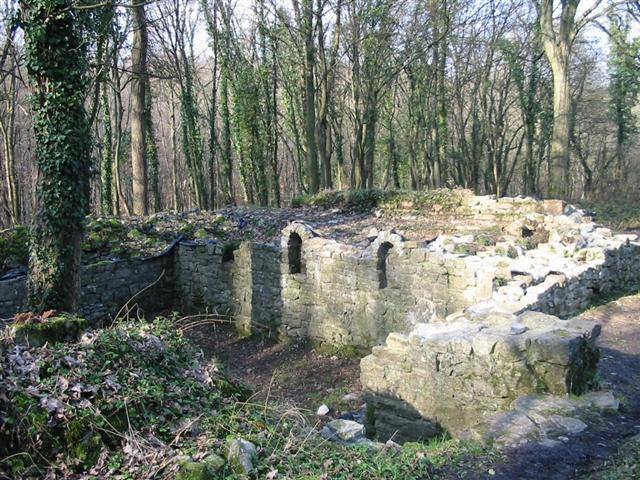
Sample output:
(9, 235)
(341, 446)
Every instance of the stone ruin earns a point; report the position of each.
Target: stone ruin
(461, 327)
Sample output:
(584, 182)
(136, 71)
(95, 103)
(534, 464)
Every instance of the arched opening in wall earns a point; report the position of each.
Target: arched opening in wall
(294, 249)
(228, 254)
(383, 254)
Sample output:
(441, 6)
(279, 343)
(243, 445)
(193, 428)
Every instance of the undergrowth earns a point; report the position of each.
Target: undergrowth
(439, 199)
(135, 400)
(618, 215)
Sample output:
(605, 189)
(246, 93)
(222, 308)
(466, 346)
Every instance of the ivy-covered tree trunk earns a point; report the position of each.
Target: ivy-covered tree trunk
(56, 64)
(106, 169)
(152, 151)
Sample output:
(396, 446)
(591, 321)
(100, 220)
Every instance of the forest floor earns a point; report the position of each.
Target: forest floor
(299, 375)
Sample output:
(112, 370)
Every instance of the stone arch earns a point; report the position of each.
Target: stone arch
(294, 253)
(381, 265)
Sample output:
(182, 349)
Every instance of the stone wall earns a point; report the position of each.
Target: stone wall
(242, 281)
(311, 285)
(350, 295)
(106, 287)
(13, 293)
(448, 376)
(477, 361)
(337, 293)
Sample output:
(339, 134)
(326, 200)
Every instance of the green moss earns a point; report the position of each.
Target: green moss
(465, 249)
(14, 248)
(135, 234)
(500, 281)
(486, 240)
(370, 418)
(52, 330)
(341, 351)
(201, 233)
(204, 470)
(87, 450)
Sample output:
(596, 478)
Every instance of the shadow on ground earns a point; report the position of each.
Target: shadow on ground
(297, 374)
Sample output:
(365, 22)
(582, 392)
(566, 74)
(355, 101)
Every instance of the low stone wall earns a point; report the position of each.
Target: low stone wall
(310, 285)
(448, 376)
(106, 287)
(330, 292)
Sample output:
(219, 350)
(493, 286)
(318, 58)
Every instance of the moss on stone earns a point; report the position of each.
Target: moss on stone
(190, 470)
(204, 470)
(53, 330)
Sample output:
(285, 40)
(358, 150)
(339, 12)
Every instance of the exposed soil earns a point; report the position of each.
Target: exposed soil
(305, 378)
(291, 373)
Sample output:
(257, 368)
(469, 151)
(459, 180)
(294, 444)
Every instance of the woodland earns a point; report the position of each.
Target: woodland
(233, 110)
(188, 104)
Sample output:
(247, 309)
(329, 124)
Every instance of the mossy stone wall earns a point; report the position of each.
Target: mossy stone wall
(106, 287)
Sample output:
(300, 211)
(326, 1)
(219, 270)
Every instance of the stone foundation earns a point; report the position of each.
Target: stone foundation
(311, 285)
(458, 312)
(451, 375)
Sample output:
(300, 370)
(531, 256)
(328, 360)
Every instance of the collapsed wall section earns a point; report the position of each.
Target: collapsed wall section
(476, 362)
(448, 376)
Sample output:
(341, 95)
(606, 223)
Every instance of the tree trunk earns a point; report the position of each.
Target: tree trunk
(151, 150)
(138, 91)
(177, 200)
(56, 64)
(8, 136)
(227, 161)
(558, 183)
(106, 168)
(557, 39)
(310, 97)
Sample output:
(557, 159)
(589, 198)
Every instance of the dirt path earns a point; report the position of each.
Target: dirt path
(298, 375)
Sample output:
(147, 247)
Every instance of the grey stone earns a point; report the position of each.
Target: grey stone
(343, 430)
(602, 400)
(560, 425)
(322, 410)
(241, 455)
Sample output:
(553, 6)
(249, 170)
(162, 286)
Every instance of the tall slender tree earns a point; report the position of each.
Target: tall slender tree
(557, 40)
(139, 125)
